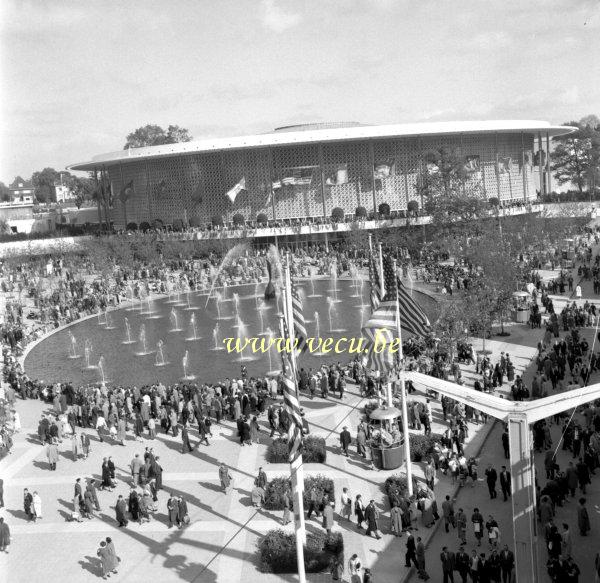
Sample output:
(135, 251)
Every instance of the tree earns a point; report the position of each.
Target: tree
(4, 192)
(43, 184)
(452, 325)
(576, 156)
(448, 191)
(153, 135)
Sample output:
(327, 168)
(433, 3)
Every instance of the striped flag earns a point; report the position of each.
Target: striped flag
(374, 282)
(381, 326)
(412, 317)
(299, 322)
(290, 400)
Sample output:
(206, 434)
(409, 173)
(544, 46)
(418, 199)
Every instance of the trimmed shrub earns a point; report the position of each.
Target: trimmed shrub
(494, 201)
(397, 482)
(314, 450)
(239, 220)
(412, 206)
(337, 214)
(217, 221)
(422, 445)
(158, 224)
(277, 551)
(262, 219)
(384, 209)
(144, 226)
(178, 225)
(360, 212)
(277, 486)
(195, 222)
(132, 226)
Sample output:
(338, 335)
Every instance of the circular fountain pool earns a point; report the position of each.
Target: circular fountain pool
(170, 339)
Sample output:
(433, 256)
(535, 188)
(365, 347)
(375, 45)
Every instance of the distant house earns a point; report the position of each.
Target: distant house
(21, 191)
(63, 192)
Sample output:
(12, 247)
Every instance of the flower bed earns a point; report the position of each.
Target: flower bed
(313, 451)
(277, 486)
(422, 445)
(277, 551)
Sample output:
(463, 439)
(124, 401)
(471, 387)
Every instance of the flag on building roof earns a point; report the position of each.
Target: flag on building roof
(126, 192)
(241, 185)
(383, 170)
(339, 175)
(299, 176)
(504, 165)
(299, 322)
(290, 401)
(472, 164)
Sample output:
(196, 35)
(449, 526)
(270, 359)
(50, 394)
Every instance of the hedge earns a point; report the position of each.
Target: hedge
(131, 226)
(276, 487)
(217, 221)
(277, 551)
(314, 450)
(262, 219)
(400, 483)
(494, 201)
(422, 445)
(238, 219)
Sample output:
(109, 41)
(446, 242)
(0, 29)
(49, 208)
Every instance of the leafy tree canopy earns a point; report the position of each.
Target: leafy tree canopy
(4, 192)
(153, 135)
(576, 157)
(43, 184)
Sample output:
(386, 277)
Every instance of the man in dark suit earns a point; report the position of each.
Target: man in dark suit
(507, 564)
(491, 477)
(463, 563)
(505, 483)
(505, 444)
(448, 563)
(345, 440)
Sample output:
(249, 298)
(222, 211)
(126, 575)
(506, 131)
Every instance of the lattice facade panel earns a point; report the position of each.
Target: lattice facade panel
(195, 186)
(297, 200)
(357, 191)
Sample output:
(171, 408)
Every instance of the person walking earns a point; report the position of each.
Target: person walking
(461, 526)
(186, 445)
(224, 477)
(313, 502)
(37, 506)
(507, 564)
(354, 568)
(462, 563)
(448, 513)
(477, 521)
(27, 504)
(505, 483)
(287, 505)
(345, 440)
(410, 554)
(52, 454)
(182, 511)
(328, 517)
(173, 511)
(121, 511)
(583, 519)
(1, 493)
(91, 488)
(420, 553)
(261, 479)
(136, 466)
(448, 565)
(4, 535)
(396, 519)
(359, 510)
(346, 505)
(113, 554)
(491, 476)
(337, 569)
(372, 518)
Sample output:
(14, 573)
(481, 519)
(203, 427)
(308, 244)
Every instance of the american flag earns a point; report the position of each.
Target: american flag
(383, 324)
(412, 317)
(374, 281)
(299, 322)
(290, 399)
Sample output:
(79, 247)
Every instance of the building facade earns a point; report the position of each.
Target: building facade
(307, 171)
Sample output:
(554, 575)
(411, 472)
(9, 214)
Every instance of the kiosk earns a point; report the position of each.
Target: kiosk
(387, 442)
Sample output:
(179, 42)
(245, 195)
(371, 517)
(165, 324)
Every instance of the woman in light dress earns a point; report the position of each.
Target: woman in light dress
(37, 506)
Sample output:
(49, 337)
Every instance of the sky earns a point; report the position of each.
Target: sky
(77, 76)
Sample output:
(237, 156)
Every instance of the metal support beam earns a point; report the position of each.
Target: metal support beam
(548, 172)
(372, 162)
(523, 499)
(322, 168)
(541, 172)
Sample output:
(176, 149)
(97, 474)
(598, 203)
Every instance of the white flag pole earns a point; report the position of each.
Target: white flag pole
(296, 467)
(381, 278)
(405, 431)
